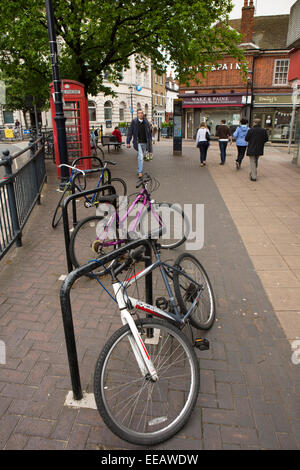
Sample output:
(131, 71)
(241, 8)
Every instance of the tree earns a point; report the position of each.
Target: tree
(99, 36)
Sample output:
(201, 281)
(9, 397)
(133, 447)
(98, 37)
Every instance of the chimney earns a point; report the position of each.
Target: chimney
(247, 24)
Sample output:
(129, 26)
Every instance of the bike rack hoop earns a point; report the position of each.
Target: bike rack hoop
(66, 309)
(65, 215)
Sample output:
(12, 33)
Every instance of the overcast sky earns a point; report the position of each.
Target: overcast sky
(264, 7)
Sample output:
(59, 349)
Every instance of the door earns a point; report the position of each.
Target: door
(189, 124)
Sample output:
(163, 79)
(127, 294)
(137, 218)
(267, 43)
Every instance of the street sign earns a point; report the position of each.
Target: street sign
(26, 131)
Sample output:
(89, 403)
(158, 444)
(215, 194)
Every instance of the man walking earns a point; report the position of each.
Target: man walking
(141, 133)
(256, 138)
(223, 133)
(240, 134)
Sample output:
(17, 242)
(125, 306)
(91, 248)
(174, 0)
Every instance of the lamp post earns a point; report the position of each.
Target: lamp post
(131, 101)
(60, 119)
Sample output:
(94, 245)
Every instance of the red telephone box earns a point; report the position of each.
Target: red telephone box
(77, 123)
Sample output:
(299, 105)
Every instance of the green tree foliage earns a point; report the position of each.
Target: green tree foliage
(98, 36)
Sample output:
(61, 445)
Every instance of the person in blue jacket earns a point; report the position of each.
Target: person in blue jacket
(240, 134)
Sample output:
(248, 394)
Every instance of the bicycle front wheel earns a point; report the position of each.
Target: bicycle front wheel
(135, 408)
(186, 290)
(58, 211)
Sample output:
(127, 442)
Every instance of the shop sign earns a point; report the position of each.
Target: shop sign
(212, 100)
(274, 100)
(231, 66)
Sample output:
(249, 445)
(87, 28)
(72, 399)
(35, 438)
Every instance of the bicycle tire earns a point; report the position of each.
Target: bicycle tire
(81, 244)
(167, 246)
(188, 389)
(183, 297)
(58, 211)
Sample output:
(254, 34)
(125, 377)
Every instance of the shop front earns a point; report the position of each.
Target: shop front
(212, 108)
(275, 112)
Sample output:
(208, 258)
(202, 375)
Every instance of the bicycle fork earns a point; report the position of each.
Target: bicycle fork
(138, 347)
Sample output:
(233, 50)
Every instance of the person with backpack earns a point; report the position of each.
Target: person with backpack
(240, 134)
(202, 142)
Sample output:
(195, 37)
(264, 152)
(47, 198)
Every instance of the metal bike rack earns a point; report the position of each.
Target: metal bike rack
(65, 215)
(73, 189)
(66, 302)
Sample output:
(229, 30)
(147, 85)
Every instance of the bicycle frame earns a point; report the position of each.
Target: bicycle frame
(124, 302)
(120, 221)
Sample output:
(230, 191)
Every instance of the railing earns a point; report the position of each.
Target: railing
(20, 191)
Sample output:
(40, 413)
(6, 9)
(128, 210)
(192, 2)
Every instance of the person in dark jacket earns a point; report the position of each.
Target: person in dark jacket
(256, 138)
(141, 133)
(224, 135)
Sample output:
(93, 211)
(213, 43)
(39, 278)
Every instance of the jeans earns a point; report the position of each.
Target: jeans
(142, 148)
(223, 145)
(241, 153)
(203, 146)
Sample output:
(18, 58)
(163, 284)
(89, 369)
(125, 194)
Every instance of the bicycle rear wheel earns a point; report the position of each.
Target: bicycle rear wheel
(85, 246)
(204, 314)
(58, 211)
(135, 408)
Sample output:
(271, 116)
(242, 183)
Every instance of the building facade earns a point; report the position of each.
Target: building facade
(158, 97)
(293, 42)
(172, 91)
(133, 91)
(265, 93)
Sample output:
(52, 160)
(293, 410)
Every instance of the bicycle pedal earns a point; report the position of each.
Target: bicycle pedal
(202, 344)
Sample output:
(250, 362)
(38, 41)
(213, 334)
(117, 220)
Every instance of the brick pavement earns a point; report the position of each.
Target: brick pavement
(249, 386)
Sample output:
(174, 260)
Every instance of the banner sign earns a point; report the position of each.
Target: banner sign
(199, 101)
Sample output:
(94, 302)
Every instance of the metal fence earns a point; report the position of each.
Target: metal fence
(20, 190)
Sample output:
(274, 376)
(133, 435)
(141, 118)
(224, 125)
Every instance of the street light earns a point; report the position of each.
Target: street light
(131, 103)
(60, 119)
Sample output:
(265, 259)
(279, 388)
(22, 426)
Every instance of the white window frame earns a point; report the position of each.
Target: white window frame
(278, 65)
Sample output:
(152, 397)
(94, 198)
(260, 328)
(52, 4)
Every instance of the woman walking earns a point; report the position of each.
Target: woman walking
(202, 142)
(240, 134)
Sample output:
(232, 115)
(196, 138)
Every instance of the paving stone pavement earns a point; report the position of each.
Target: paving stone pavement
(249, 385)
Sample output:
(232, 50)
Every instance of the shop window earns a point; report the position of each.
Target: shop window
(92, 111)
(122, 111)
(108, 111)
(8, 117)
(281, 69)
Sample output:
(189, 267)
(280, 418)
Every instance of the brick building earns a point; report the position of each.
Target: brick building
(158, 97)
(265, 93)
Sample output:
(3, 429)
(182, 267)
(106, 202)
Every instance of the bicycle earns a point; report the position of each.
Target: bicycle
(98, 234)
(104, 178)
(147, 375)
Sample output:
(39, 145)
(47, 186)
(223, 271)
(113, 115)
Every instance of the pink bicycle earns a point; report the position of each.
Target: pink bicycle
(96, 235)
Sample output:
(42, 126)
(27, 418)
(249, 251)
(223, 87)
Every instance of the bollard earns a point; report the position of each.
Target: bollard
(7, 160)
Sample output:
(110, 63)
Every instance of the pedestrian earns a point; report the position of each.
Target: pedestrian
(224, 136)
(240, 134)
(154, 130)
(256, 137)
(117, 133)
(140, 132)
(202, 142)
